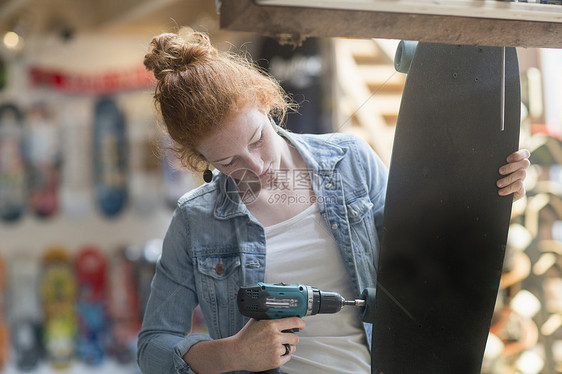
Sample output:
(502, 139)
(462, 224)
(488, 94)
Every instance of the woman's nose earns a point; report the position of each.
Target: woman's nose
(254, 163)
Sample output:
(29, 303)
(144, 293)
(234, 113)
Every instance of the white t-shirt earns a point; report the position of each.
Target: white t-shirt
(303, 250)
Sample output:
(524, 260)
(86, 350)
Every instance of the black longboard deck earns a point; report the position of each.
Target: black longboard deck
(445, 226)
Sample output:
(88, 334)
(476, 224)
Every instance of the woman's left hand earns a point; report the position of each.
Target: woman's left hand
(515, 172)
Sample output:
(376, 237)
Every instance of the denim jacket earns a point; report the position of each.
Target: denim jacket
(214, 246)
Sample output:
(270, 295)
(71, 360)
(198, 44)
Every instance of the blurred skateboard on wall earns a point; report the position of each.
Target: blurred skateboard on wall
(90, 266)
(58, 296)
(4, 331)
(445, 226)
(43, 155)
(124, 304)
(3, 74)
(76, 116)
(145, 179)
(12, 163)
(110, 158)
(24, 310)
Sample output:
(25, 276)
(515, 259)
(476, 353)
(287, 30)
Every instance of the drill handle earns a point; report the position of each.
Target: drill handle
(277, 370)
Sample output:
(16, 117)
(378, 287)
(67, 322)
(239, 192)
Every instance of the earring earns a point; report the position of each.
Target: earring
(207, 175)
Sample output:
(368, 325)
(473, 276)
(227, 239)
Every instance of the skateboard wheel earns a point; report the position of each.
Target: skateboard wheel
(404, 55)
(368, 311)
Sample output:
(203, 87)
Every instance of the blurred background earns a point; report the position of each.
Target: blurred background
(87, 188)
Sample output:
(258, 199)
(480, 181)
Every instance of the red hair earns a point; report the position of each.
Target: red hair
(198, 88)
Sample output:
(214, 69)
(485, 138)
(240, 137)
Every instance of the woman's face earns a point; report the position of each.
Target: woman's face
(245, 143)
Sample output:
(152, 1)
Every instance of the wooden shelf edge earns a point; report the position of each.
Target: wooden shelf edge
(464, 8)
(246, 15)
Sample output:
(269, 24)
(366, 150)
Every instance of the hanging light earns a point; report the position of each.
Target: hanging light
(525, 304)
(12, 40)
(530, 363)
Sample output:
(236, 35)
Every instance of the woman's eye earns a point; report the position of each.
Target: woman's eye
(257, 142)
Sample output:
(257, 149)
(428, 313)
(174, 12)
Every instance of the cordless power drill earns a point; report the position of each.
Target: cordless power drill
(274, 301)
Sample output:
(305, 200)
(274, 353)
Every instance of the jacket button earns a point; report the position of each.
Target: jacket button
(334, 226)
(220, 269)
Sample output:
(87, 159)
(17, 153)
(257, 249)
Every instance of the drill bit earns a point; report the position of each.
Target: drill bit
(357, 302)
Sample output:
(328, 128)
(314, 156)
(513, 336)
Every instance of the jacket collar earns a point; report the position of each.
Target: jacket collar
(319, 153)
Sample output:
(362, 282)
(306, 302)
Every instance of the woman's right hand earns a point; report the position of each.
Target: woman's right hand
(260, 344)
(257, 347)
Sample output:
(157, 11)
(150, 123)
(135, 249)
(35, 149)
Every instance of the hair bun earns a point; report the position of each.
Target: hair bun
(171, 53)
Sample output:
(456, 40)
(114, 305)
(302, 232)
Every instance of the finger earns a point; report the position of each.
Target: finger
(519, 155)
(516, 188)
(293, 349)
(283, 359)
(290, 323)
(519, 194)
(286, 348)
(292, 339)
(514, 166)
(519, 175)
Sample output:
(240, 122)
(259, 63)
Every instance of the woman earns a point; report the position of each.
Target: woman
(308, 197)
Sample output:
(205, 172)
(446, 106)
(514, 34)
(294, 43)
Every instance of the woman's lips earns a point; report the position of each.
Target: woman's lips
(266, 172)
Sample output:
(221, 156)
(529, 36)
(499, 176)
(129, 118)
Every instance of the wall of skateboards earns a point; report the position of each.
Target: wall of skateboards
(87, 188)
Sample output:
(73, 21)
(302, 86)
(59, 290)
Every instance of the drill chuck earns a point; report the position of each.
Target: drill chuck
(326, 302)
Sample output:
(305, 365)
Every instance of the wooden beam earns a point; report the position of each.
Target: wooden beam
(494, 9)
(275, 20)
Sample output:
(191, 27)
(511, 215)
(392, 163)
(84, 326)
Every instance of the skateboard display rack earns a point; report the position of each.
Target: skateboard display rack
(490, 23)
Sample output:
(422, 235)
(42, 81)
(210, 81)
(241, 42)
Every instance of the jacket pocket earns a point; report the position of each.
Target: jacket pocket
(360, 214)
(218, 280)
(218, 267)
